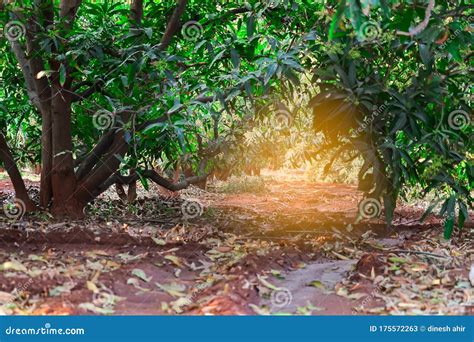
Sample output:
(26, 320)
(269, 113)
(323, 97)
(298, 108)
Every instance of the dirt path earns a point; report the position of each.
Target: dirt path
(294, 248)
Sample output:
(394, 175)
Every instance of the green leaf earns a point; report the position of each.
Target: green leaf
(173, 289)
(449, 222)
(453, 49)
(397, 260)
(159, 242)
(425, 54)
(154, 125)
(336, 19)
(61, 289)
(217, 57)
(143, 181)
(400, 123)
(266, 283)
(250, 26)
(429, 210)
(235, 58)
(141, 274)
(463, 214)
(270, 72)
(62, 74)
(176, 106)
(148, 31)
(318, 284)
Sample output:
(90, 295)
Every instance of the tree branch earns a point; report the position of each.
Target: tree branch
(136, 12)
(94, 156)
(102, 171)
(27, 74)
(163, 118)
(173, 25)
(95, 87)
(68, 10)
(155, 177)
(15, 175)
(421, 26)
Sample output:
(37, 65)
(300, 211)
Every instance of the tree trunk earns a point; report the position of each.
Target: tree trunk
(132, 189)
(63, 177)
(121, 192)
(104, 169)
(136, 12)
(31, 67)
(15, 175)
(52, 94)
(46, 188)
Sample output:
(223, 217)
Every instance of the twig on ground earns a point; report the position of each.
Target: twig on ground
(417, 252)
